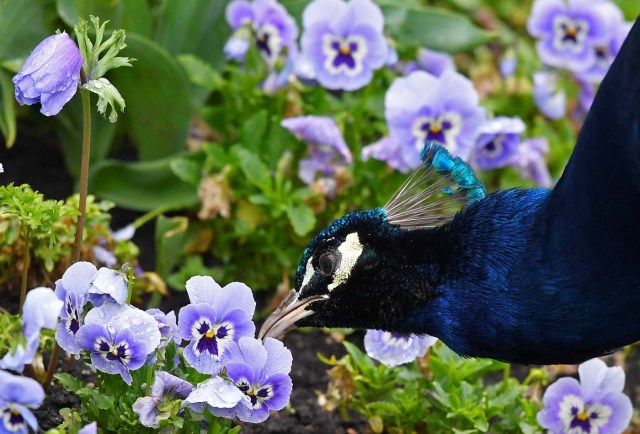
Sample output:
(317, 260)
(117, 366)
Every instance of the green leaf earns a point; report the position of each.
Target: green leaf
(103, 402)
(7, 109)
(188, 169)
(170, 236)
(23, 25)
(143, 186)
(132, 15)
(156, 91)
(69, 382)
(108, 95)
(253, 168)
(301, 218)
(200, 72)
(433, 28)
(196, 27)
(254, 130)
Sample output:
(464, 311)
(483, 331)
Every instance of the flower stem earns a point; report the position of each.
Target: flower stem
(51, 367)
(84, 169)
(26, 263)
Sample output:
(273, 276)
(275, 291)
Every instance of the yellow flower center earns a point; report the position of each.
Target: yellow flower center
(15, 412)
(210, 334)
(572, 31)
(435, 128)
(582, 415)
(345, 50)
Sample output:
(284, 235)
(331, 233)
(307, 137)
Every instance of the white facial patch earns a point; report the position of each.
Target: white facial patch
(350, 250)
(308, 274)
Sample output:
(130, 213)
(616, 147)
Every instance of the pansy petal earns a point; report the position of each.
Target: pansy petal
(108, 284)
(66, 339)
(41, 310)
(279, 358)
(235, 295)
(76, 279)
(238, 13)
(20, 390)
(27, 415)
(621, 412)
(215, 392)
(592, 373)
(241, 370)
(173, 385)
(322, 10)
(202, 289)
(250, 351)
(281, 386)
(145, 408)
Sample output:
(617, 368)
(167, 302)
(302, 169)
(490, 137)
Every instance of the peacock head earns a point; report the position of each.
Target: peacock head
(351, 274)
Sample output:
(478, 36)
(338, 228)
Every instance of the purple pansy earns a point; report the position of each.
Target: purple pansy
(389, 150)
(596, 404)
(529, 160)
(508, 64)
(261, 373)
(166, 387)
(445, 109)
(40, 310)
(344, 42)
(568, 32)
(431, 61)
(215, 318)
(108, 285)
(549, 98)
(327, 148)
(168, 327)
(215, 393)
(118, 337)
(497, 142)
(393, 349)
(606, 52)
(72, 290)
(17, 394)
(271, 26)
(50, 75)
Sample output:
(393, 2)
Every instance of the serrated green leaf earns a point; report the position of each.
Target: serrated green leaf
(69, 382)
(302, 219)
(254, 130)
(433, 28)
(103, 402)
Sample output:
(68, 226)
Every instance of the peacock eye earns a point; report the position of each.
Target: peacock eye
(327, 263)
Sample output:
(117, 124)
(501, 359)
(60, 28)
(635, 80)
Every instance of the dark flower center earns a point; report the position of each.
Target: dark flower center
(571, 32)
(13, 419)
(256, 393)
(211, 337)
(436, 130)
(114, 352)
(344, 54)
(73, 325)
(582, 419)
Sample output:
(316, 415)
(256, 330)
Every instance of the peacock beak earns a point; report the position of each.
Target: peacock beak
(287, 314)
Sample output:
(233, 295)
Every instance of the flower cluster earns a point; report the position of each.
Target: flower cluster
(582, 36)
(596, 404)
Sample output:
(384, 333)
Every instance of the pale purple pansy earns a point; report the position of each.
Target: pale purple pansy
(40, 310)
(118, 337)
(50, 75)
(17, 395)
(550, 99)
(344, 42)
(393, 349)
(168, 327)
(431, 61)
(444, 109)
(108, 285)
(72, 288)
(91, 428)
(389, 150)
(215, 319)
(567, 32)
(214, 393)
(327, 147)
(595, 404)
(497, 142)
(261, 372)
(530, 161)
(166, 387)
(270, 25)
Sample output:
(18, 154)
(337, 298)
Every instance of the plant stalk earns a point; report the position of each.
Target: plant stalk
(84, 169)
(51, 367)
(26, 263)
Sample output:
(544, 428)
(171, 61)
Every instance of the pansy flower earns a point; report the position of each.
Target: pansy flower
(550, 99)
(214, 393)
(595, 404)
(50, 75)
(168, 327)
(444, 109)
(393, 349)
(17, 394)
(567, 32)
(271, 26)
(389, 150)
(91, 428)
(431, 61)
(327, 148)
(108, 285)
(40, 310)
(344, 42)
(530, 161)
(497, 142)
(215, 318)
(165, 388)
(72, 290)
(261, 373)
(118, 337)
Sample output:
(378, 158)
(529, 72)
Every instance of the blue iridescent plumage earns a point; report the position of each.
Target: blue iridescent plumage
(532, 276)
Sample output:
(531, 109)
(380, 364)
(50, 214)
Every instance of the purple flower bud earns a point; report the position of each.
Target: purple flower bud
(50, 74)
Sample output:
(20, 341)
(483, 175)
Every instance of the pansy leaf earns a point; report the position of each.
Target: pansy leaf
(69, 382)
(254, 130)
(433, 28)
(103, 402)
(253, 168)
(301, 218)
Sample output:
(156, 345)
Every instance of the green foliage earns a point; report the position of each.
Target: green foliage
(439, 393)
